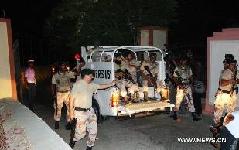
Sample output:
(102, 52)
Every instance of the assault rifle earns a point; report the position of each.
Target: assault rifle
(234, 87)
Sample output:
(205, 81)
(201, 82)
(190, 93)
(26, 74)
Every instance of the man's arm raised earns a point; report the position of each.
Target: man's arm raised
(105, 86)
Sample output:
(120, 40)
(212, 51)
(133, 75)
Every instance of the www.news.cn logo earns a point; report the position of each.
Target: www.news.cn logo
(201, 140)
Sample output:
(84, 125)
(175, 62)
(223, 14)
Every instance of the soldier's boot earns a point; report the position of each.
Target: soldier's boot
(89, 148)
(215, 145)
(57, 124)
(68, 126)
(174, 116)
(215, 129)
(72, 143)
(195, 117)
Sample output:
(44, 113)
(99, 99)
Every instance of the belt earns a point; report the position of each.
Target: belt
(224, 91)
(63, 91)
(31, 83)
(81, 109)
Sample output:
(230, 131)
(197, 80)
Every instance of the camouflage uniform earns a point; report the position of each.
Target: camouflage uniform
(63, 87)
(185, 92)
(86, 121)
(225, 99)
(82, 93)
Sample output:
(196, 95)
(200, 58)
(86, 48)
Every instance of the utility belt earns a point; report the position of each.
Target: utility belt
(183, 85)
(29, 83)
(65, 91)
(82, 109)
(224, 91)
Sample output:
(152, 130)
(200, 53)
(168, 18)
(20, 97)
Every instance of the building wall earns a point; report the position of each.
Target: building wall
(7, 71)
(153, 36)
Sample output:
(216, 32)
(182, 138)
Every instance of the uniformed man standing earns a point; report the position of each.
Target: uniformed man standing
(183, 78)
(226, 96)
(61, 82)
(81, 108)
(30, 80)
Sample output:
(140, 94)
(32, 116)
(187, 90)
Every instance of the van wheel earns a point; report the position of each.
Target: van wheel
(96, 108)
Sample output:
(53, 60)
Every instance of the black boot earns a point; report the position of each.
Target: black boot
(89, 148)
(57, 124)
(214, 130)
(72, 144)
(174, 116)
(68, 126)
(195, 118)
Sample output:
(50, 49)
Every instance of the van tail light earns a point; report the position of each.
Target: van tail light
(115, 99)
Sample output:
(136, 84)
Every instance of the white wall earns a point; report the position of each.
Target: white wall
(159, 38)
(218, 49)
(5, 76)
(144, 38)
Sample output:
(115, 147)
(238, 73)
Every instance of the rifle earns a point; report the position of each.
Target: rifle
(54, 96)
(128, 76)
(73, 128)
(151, 79)
(234, 86)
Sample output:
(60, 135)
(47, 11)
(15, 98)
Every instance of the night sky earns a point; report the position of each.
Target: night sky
(202, 16)
(197, 19)
(27, 15)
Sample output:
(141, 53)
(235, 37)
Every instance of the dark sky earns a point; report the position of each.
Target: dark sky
(28, 15)
(197, 19)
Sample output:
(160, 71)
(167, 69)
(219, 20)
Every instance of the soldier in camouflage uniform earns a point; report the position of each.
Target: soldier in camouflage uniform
(183, 78)
(226, 96)
(81, 108)
(61, 82)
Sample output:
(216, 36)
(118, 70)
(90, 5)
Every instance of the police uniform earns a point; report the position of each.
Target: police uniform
(184, 92)
(225, 99)
(81, 94)
(63, 87)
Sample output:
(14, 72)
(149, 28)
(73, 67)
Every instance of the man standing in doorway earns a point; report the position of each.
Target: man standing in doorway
(81, 108)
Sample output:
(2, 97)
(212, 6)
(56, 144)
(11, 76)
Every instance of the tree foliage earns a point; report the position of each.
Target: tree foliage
(105, 22)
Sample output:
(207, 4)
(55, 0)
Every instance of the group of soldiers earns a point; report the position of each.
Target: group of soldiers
(142, 74)
(77, 95)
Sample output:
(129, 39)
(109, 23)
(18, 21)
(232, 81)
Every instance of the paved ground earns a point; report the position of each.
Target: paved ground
(158, 132)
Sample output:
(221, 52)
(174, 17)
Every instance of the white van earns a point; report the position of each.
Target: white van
(109, 102)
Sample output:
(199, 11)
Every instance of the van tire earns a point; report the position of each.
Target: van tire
(96, 108)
